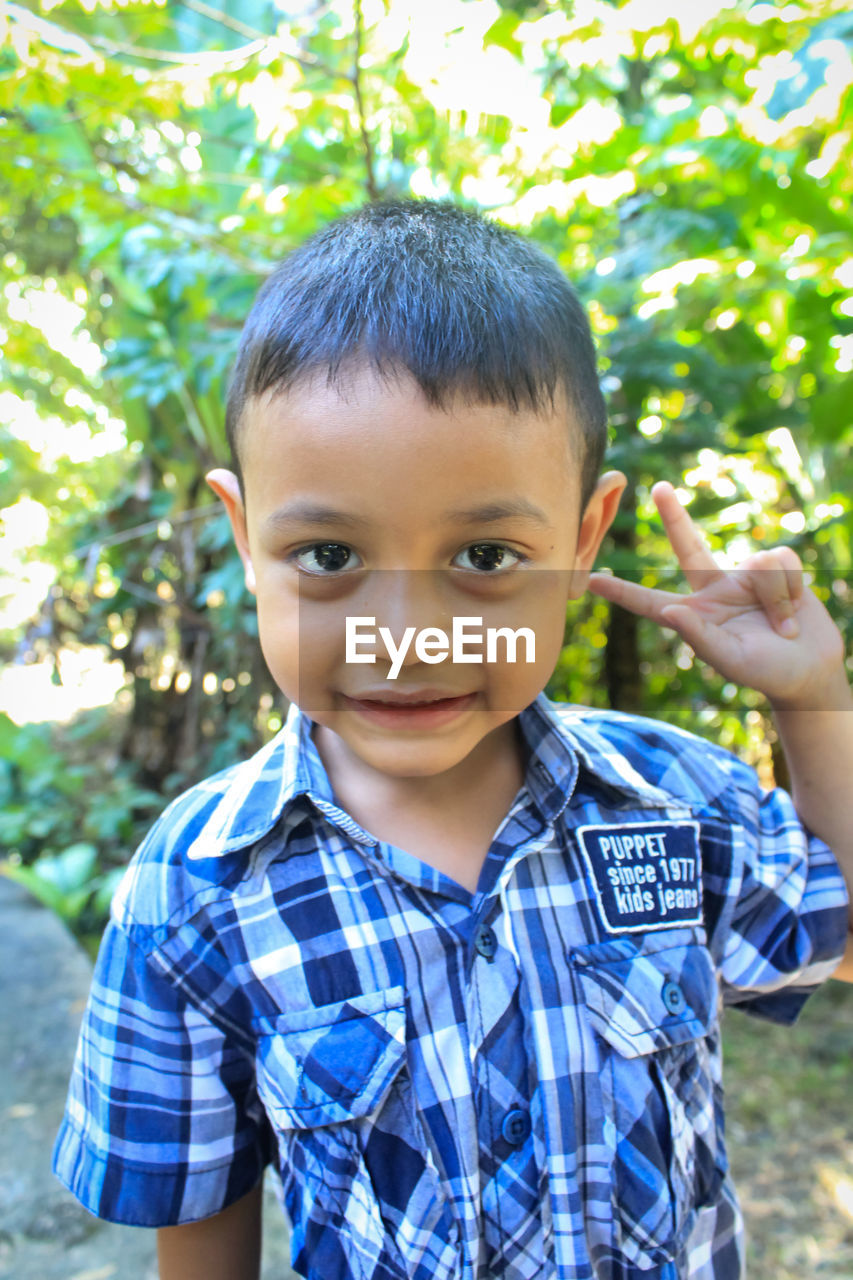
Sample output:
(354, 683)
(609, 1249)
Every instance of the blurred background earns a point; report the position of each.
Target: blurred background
(687, 164)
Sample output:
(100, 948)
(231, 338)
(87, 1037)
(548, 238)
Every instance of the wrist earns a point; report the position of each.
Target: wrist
(828, 692)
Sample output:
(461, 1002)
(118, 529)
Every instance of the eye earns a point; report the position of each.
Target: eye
(491, 557)
(327, 557)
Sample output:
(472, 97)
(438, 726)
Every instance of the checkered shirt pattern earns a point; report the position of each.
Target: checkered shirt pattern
(520, 1082)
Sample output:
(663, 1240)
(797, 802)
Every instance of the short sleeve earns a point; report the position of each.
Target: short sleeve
(787, 927)
(162, 1124)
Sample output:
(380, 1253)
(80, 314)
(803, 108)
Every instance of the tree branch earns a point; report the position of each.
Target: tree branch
(217, 59)
(149, 526)
(222, 57)
(252, 33)
(372, 189)
(224, 19)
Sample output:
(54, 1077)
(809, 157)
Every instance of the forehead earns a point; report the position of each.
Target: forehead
(367, 431)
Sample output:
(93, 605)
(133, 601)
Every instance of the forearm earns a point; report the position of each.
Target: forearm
(817, 738)
(226, 1246)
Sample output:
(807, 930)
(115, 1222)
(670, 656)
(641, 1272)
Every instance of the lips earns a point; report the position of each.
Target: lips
(406, 698)
(416, 710)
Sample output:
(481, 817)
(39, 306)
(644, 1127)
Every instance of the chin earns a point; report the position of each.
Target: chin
(414, 762)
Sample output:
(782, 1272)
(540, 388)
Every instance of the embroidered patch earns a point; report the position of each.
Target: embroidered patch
(647, 875)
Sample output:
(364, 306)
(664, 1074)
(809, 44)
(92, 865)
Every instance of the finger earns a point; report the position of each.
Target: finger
(646, 601)
(784, 558)
(687, 542)
(793, 571)
(768, 575)
(795, 585)
(689, 624)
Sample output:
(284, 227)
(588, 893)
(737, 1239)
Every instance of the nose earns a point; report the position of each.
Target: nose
(400, 599)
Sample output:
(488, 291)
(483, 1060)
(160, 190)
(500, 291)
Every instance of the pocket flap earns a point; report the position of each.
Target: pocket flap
(334, 1062)
(649, 994)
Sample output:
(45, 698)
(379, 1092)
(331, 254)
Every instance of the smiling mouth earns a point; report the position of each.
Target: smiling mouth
(400, 699)
(403, 710)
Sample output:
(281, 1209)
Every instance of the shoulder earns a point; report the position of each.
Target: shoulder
(676, 761)
(200, 848)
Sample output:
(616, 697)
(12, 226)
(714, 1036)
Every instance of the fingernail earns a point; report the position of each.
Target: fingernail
(789, 628)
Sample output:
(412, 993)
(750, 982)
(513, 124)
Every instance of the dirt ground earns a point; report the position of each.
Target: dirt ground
(789, 1097)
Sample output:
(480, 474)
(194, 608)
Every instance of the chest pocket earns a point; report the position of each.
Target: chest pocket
(360, 1186)
(331, 1064)
(652, 1003)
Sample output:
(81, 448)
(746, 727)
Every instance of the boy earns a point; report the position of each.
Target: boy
(447, 953)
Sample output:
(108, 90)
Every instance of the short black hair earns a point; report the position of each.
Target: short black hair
(468, 307)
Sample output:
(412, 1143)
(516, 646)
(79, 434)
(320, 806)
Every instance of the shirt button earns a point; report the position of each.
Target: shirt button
(516, 1126)
(673, 997)
(486, 942)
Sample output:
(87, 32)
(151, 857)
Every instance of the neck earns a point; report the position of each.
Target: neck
(496, 761)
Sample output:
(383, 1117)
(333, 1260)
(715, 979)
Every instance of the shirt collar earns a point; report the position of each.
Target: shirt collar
(576, 729)
(559, 739)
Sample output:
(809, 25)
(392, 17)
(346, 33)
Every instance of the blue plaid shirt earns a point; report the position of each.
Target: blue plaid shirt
(521, 1082)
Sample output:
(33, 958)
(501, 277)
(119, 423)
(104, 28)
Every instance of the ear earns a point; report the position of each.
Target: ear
(597, 519)
(227, 487)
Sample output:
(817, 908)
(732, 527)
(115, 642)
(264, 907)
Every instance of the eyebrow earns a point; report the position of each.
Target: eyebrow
(508, 509)
(306, 512)
(302, 512)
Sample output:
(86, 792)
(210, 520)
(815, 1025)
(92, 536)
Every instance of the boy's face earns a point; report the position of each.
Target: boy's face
(409, 548)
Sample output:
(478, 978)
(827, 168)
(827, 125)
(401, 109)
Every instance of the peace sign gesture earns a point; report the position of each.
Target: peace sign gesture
(758, 625)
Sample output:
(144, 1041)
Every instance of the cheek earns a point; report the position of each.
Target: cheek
(541, 609)
(278, 633)
(303, 644)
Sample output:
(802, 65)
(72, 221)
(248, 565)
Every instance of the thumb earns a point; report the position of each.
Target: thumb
(688, 623)
(708, 642)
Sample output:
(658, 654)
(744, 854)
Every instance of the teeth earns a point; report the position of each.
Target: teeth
(381, 702)
(411, 704)
(417, 705)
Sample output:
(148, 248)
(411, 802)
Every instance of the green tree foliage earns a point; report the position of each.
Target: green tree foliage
(688, 166)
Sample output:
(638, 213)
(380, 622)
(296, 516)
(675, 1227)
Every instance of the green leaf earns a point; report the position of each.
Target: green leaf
(502, 33)
(70, 870)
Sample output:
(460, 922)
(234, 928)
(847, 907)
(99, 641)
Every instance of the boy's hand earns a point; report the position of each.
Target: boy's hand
(758, 625)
